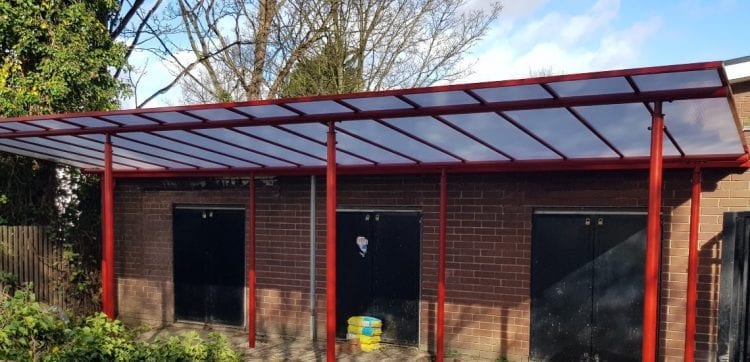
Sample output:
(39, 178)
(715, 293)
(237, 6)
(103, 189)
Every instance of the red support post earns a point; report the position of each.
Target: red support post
(692, 283)
(108, 238)
(331, 245)
(251, 292)
(440, 333)
(653, 239)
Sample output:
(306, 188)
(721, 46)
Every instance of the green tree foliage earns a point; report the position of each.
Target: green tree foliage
(28, 188)
(324, 73)
(78, 227)
(55, 56)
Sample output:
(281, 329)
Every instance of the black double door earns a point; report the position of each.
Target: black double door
(587, 286)
(734, 289)
(209, 265)
(377, 271)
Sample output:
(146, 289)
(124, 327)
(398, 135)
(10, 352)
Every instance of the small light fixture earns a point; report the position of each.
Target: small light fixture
(204, 214)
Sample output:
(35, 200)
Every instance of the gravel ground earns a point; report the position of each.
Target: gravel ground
(287, 349)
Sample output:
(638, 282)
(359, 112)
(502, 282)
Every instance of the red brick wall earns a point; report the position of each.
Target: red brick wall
(742, 101)
(488, 261)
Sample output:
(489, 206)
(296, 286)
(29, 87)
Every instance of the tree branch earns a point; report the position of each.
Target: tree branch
(186, 70)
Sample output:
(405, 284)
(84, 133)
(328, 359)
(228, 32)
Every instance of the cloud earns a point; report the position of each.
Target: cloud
(562, 43)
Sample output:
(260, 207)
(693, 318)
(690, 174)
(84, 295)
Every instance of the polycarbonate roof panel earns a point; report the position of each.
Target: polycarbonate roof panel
(587, 87)
(678, 80)
(368, 150)
(503, 135)
(233, 137)
(627, 126)
(190, 162)
(318, 132)
(126, 119)
(319, 107)
(691, 123)
(513, 93)
(65, 147)
(441, 99)
(237, 153)
(377, 103)
(51, 124)
(441, 135)
(24, 152)
(280, 135)
(217, 114)
(90, 122)
(179, 144)
(266, 111)
(49, 153)
(172, 117)
(18, 126)
(602, 117)
(380, 134)
(560, 129)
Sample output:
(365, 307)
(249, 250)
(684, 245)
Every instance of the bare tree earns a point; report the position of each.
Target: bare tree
(248, 49)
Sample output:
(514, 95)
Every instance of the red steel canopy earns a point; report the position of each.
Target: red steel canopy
(590, 120)
(598, 120)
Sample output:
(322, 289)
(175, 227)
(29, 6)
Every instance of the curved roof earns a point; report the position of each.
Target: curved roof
(589, 120)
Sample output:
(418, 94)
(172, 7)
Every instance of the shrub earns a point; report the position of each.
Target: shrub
(32, 331)
(28, 329)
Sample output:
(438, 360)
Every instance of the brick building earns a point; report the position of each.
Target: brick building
(519, 244)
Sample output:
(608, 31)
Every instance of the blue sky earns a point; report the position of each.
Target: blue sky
(587, 35)
(571, 36)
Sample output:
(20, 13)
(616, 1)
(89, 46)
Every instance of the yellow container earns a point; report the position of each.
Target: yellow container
(369, 347)
(365, 331)
(368, 339)
(364, 321)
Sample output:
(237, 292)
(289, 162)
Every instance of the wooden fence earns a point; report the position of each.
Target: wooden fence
(27, 253)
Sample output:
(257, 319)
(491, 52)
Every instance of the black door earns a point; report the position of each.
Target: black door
(381, 279)
(587, 286)
(209, 265)
(734, 299)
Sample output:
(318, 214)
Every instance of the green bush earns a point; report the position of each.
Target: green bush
(32, 331)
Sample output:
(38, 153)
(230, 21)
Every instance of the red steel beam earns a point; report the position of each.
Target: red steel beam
(692, 282)
(251, 293)
(108, 239)
(331, 245)
(653, 239)
(634, 163)
(589, 100)
(440, 329)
